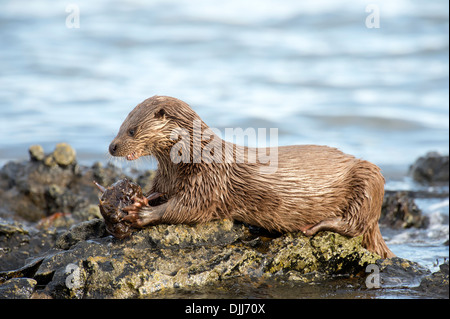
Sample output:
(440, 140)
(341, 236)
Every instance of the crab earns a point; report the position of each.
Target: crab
(115, 203)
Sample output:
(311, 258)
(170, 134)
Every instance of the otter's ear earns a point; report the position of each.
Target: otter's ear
(160, 113)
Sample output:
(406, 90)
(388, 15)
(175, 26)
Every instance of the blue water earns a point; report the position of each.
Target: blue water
(312, 69)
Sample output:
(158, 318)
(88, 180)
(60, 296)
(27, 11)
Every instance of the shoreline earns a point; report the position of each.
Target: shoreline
(394, 172)
(50, 208)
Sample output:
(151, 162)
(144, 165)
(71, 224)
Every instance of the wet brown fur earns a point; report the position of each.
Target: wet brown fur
(314, 187)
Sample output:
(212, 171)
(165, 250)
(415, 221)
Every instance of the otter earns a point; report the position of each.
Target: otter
(312, 188)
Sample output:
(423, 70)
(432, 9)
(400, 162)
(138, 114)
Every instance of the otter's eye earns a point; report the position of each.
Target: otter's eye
(160, 113)
(131, 132)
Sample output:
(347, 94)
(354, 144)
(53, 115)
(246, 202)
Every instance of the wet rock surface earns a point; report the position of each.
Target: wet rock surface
(87, 263)
(173, 261)
(400, 211)
(437, 282)
(54, 244)
(431, 168)
(18, 288)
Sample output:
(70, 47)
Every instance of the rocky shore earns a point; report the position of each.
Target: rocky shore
(53, 244)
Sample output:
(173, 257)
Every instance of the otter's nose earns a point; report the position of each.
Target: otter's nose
(112, 149)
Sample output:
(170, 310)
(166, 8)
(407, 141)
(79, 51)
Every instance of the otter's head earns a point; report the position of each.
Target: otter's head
(148, 128)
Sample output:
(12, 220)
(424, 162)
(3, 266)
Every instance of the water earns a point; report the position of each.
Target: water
(310, 68)
(425, 246)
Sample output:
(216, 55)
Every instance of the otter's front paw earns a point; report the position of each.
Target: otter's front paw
(143, 217)
(138, 204)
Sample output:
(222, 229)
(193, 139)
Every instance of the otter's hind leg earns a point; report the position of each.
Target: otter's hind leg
(337, 225)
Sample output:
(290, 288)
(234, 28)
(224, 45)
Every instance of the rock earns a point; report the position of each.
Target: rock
(327, 252)
(398, 272)
(34, 190)
(106, 175)
(87, 264)
(17, 288)
(143, 265)
(400, 211)
(49, 161)
(432, 168)
(92, 211)
(36, 153)
(437, 283)
(86, 230)
(145, 180)
(19, 242)
(27, 271)
(64, 154)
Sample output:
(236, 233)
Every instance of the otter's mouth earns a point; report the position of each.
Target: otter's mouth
(133, 156)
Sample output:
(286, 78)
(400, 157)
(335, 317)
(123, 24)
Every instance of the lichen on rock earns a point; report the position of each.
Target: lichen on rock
(164, 257)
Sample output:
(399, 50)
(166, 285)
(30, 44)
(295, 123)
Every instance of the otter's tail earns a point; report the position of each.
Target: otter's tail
(374, 242)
